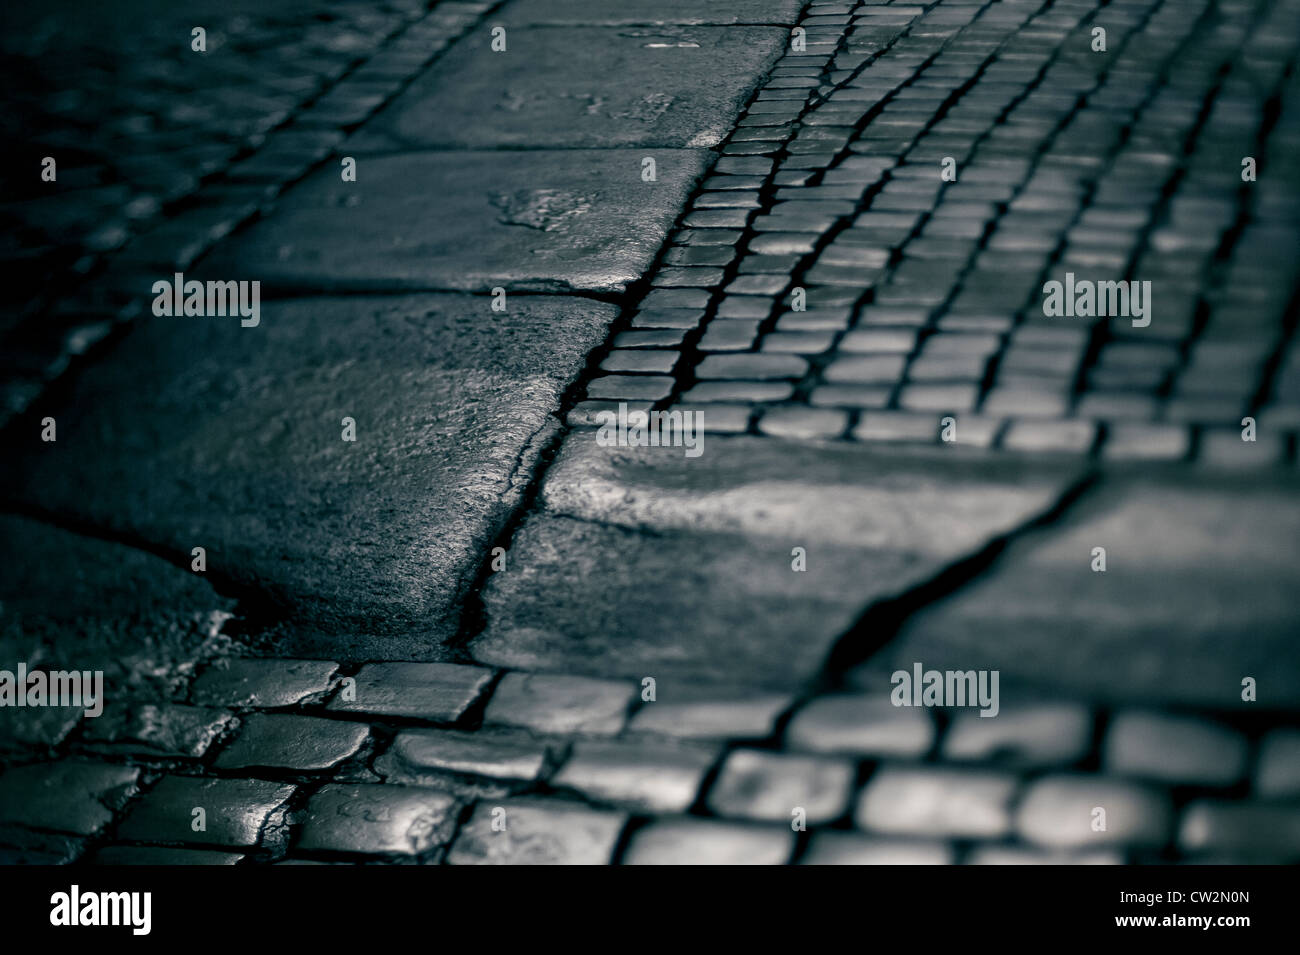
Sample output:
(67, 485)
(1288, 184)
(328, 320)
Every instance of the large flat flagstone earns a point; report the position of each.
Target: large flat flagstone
(1199, 592)
(546, 221)
(567, 87)
(645, 12)
(641, 562)
(70, 602)
(197, 432)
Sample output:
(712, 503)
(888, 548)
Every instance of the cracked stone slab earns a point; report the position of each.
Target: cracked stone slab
(169, 730)
(264, 684)
(439, 692)
(378, 820)
(641, 562)
(557, 220)
(289, 741)
(649, 12)
(231, 438)
(73, 795)
(234, 811)
(73, 602)
(1198, 593)
(579, 86)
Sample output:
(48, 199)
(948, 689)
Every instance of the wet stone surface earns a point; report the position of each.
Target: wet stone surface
(377, 820)
(220, 812)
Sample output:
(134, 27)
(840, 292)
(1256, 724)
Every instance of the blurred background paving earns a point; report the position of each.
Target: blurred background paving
(458, 612)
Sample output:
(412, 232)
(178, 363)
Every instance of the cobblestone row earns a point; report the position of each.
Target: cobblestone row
(195, 146)
(1104, 165)
(923, 301)
(306, 761)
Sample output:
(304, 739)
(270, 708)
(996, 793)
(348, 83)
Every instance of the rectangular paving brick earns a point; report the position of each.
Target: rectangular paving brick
(288, 741)
(780, 787)
(861, 725)
(508, 756)
(1172, 749)
(928, 801)
(643, 776)
(263, 684)
(537, 832)
(377, 820)
(1057, 812)
(561, 704)
(234, 811)
(438, 692)
(691, 841)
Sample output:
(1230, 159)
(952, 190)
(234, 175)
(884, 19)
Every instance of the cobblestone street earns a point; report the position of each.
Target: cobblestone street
(474, 632)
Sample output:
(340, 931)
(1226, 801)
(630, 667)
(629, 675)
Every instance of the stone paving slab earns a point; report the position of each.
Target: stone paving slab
(1198, 593)
(572, 87)
(378, 820)
(262, 683)
(290, 742)
(554, 220)
(612, 574)
(76, 796)
(234, 811)
(440, 692)
(243, 451)
(74, 602)
(641, 12)
(537, 832)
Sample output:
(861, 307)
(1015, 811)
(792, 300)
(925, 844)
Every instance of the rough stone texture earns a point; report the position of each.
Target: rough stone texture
(440, 692)
(19, 846)
(548, 221)
(377, 820)
(644, 776)
(651, 87)
(688, 841)
(641, 12)
(538, 832)
(161, 855)
(291, 742)
(419, 754)
(718, 531)
(235, 811)
(169, 730)
(72, 795)
(243, 451)
(37, 726)
(560, 704)
(1196, 595)
(264, 684)
(76, 603)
